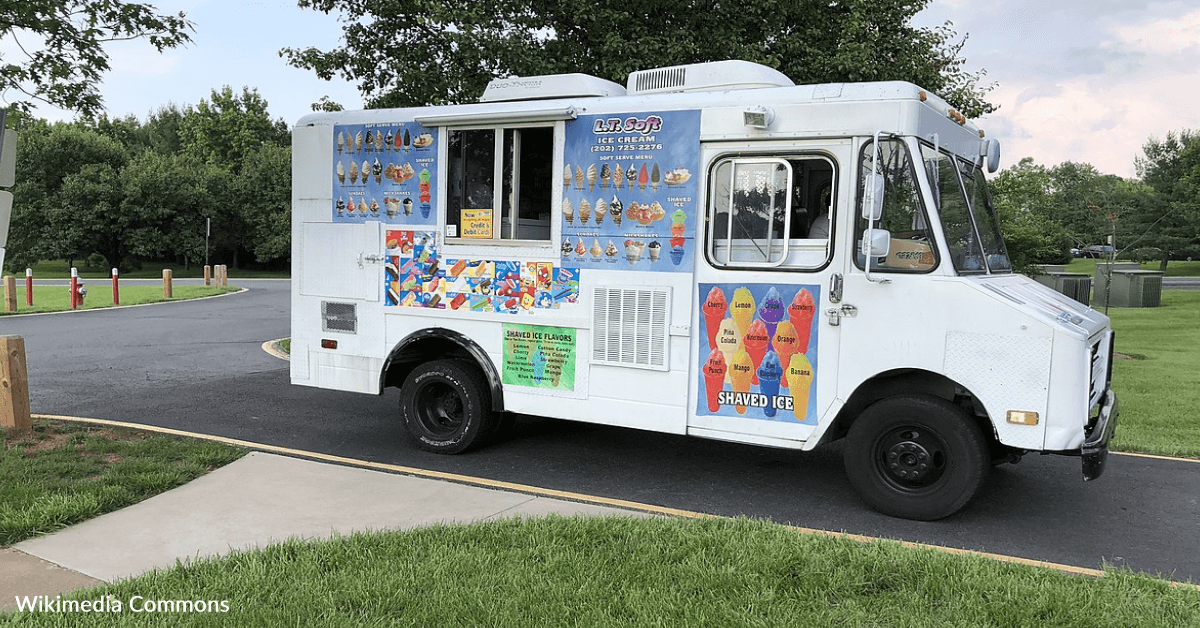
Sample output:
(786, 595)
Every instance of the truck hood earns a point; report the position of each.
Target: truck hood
(1047, 303)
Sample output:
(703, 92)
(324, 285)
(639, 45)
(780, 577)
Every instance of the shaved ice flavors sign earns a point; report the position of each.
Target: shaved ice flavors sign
(385, 172)
(759, 351)
(539, 357)
(630, 190)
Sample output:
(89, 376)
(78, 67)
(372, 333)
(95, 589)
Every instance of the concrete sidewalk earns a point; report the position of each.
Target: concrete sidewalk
(253, 502)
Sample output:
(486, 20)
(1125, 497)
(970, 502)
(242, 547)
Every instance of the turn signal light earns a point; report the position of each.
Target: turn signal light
(1022, 417)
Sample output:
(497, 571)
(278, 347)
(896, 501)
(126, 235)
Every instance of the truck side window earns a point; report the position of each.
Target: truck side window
(521, 158)
(762, 211)
(912, 244)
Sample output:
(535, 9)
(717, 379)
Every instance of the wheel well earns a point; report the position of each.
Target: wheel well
(439, 344)
(909, 382)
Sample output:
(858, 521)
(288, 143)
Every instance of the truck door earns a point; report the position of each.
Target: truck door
(764, 361)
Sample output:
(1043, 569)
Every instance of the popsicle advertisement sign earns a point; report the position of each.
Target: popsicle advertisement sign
(758, 355)
(630, 191)
(416, 275)
(385, 172)
(539, 357)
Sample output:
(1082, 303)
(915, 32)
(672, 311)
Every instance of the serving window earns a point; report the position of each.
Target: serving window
(497, 185)
(771, 211)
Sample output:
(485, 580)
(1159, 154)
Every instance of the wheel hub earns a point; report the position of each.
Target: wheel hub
(911, 458)
(909, 461)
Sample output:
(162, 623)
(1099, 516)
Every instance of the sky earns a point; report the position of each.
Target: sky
(1076, 80)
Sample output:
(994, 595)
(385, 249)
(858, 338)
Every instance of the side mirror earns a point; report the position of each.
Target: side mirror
(875, 243)
(872, 205)
(991, 152)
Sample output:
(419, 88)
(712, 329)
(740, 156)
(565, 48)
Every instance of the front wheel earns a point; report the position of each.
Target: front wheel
(916, 457)
(446, 407)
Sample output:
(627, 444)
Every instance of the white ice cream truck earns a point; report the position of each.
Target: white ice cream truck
(711, 250)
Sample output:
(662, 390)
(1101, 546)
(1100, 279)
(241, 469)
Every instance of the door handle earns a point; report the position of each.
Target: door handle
(835, 314)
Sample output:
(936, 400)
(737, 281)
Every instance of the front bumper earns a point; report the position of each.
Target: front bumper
(1095, 448)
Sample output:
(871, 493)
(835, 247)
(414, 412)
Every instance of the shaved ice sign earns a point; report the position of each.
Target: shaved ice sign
(539, 357)
(759, 351)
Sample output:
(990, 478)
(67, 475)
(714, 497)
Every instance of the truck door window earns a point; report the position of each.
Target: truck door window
(961, 237)
(511, 164)
(911, 248)
(763, 210)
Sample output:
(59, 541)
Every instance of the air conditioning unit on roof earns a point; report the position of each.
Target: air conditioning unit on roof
(706, 77)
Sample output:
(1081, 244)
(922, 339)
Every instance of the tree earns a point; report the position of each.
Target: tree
(1171, 168)
(1025, 201)
(419, 52)
(61, 58)
(224, 131)
(266, 177)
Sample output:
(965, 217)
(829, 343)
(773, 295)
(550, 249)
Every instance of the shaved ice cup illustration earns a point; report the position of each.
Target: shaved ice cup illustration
(714, 379)
(741, 372)
(800, 313)
(785, 343)
(742, 308)
(714, 309)
(729, 340)
(771, 311)
(800, 377)
(755, 342)
(769, 374)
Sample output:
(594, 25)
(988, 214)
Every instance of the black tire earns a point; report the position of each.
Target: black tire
(446, 406)
(916, 457)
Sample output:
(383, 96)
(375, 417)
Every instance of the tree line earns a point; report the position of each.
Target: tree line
(126, 191)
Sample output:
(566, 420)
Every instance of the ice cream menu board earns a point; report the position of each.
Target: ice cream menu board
(539, 357)
(759, 353)
(385, 172)
(629, 186)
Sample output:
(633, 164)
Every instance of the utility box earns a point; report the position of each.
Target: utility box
(1078, 286)
(1128, 288)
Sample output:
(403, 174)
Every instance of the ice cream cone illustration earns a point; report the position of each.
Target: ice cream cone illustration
(358, 141)
(341, 173)
(353, 172)
(601, 211)
(605, 175)
(578, 177)
(714, 370)
(407, 140)
(800, 313)
(769, 373)
(615, 208)
(618, 176)
(388, 139)
(365, 171)
(714, 309)
(567, 176)
(367, 142)
(643, 177)
(729, 340)
(341, 142)
(585, 211)
(568, 211)
(800, 377)
(378, 142)
(771, 310)
(742, 308)
(755, 342)
(741, 372)
(631, 177)
(785, 343)
(396, 142)
(377, 169)
(655, 177)
(591, 177)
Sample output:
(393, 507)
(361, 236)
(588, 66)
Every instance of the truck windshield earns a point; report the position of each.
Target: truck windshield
(969, 221)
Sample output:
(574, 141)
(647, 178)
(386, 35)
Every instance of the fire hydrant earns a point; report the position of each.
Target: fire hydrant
(80, 293)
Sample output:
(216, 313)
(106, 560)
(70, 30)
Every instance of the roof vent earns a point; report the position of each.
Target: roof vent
(706, 77)
(551, 86)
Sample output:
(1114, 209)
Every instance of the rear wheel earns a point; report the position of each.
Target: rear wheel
(916, 457)
(446, 407)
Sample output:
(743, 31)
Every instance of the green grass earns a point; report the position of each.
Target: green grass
(630, 572)
(60, 269)
(57, 298)
(285, 345)
(1159, 390)
(63, 473)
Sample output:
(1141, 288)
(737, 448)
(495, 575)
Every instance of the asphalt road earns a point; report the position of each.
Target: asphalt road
(198, 366)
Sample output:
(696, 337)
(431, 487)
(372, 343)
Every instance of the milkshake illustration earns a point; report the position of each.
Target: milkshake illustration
(800, 377)
(769, 374)
(714, 379)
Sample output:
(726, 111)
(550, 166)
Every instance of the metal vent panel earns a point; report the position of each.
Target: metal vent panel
(339, 317)
(665, 78)
(630, 327)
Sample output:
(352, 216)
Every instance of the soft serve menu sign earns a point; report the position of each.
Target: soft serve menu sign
(629, 191)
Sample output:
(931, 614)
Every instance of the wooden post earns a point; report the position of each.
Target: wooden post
(167, 292)
(207, 275)
(14, 385)
(29, 287)
(10, 293)
(116, 288)
(74, 288)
